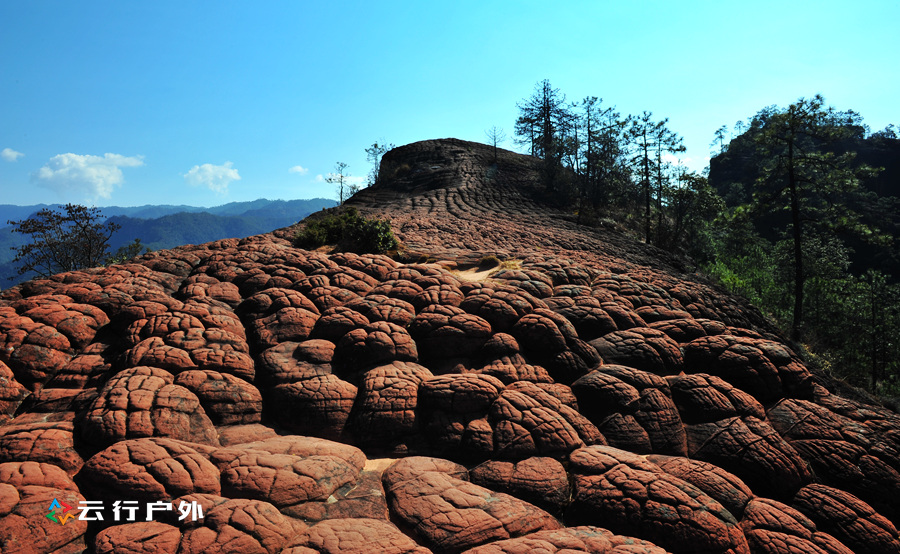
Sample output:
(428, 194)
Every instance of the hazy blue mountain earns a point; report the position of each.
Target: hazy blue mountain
(10, 212)
(166, 226)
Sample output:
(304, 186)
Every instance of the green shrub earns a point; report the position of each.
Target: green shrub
(489, 261)
(350, 232)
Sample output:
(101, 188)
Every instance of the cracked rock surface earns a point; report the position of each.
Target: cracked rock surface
(587, 396)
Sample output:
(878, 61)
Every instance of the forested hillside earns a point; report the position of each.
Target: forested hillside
(799, 212)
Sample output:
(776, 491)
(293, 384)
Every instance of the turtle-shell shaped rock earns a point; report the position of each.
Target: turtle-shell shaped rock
(447, 331)
(238, 525)
(501, 308)
(270, 301)
(771, 526)
(24, 527)
(226, 399)
(354, 536)
(318, 406)
(633, 496)
(377, 307)
(633, 409)
(703, 398)
(752, 450)
(684, 330)
(337, 322)
(284, 480)
(594, 540)
(449, 514)
(397, 288)
(44, 438)
(290, 362)
(641, 348)
(145, 402)
(726, 488)
(385, 410)
(848, 519)
(766, 370)
(376, 343)
(539, 480)
(150, 469)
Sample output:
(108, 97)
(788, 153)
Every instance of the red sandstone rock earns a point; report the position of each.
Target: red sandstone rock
(766, 370)
(144, 402)
(376, 307)
(453, 410)
(703, 398)
(284, 480)
(12, 393)
(591, 540)
(240, 434)
(540, 481)
(44, 438)
(449, 514)
(848, 519)
(354, 536)
(385, 412)
(752, 450)
(397, 288)
(687, 329)
(771, 526)
(843, 452)
(24, 527)
(446, 331)
(632, 408)
(501, 308)
(410, 468)
(633, 496)
(290, 362)
(178, 321)
(240, 525)
(151, 469)
(226, 399)
(641, 348)
(287, 324)
(317, 406)
(725, 488)
(527, 421)
(145, 537)
(588, 316)
(20, 474)
(376, 343)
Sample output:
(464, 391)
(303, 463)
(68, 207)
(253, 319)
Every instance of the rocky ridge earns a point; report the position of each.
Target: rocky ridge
(589, 397)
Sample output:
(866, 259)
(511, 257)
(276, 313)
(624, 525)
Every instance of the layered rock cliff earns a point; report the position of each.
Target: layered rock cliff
(588, 397)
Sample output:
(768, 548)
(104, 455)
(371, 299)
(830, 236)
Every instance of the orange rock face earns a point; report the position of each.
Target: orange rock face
(586, 397)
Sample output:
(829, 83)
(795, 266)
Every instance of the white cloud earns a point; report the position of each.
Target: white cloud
(299, 169)
(671, 158)
(10, 155)
(94, 175)
(691, 164)
(216, 177)
(320, 178)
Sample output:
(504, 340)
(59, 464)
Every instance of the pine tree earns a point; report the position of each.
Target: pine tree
(804, 177)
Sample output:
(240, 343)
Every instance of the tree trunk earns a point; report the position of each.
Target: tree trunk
(646, 192)
(798, 244)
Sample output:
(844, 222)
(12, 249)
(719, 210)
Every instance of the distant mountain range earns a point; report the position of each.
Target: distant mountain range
(167, 226)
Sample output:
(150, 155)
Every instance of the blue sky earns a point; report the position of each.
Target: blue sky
(203, 103)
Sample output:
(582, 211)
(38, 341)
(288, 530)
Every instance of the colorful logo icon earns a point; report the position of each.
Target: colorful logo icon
(60, 509)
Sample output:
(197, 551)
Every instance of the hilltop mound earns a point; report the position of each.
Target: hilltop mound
(584, 396)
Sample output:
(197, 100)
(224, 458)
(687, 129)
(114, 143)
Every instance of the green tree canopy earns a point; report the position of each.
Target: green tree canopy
(804, 178)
